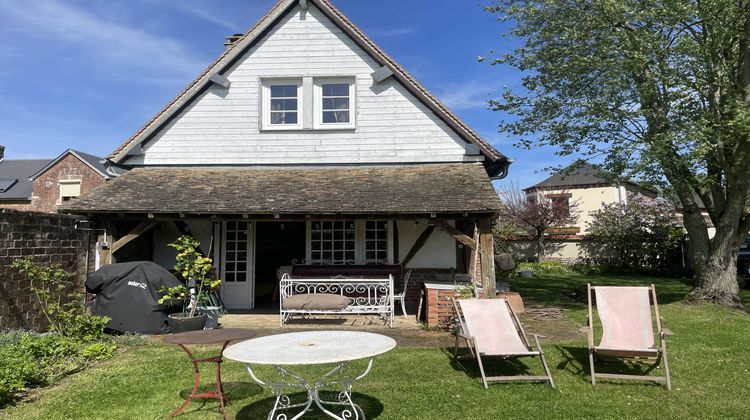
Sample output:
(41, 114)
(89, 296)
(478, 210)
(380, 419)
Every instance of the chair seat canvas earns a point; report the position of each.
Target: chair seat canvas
(627, 322)
(491, 328)
(625, 314)
(491, 325)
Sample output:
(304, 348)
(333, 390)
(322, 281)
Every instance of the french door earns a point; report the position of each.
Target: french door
(237, 265)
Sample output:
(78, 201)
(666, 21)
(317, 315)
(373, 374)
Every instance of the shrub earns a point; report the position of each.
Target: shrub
(642, 233)
(29, 359)
(63, 309)
(546, 268)
(99, 351)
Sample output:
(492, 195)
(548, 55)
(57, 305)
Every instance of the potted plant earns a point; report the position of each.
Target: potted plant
(196, 271)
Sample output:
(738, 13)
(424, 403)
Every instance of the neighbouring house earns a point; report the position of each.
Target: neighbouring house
(589, 187)
(44, 184)
(303, 144)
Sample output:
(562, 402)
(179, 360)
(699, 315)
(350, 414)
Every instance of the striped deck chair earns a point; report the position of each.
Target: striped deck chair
(491, 328)
(627, 330)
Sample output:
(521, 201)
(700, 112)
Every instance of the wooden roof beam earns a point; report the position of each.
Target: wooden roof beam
(456, 234)
(136, 232)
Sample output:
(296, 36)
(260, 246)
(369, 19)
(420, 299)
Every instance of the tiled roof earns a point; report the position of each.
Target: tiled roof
(94, 162)
(577, 174)
(19, 170)
(413, 189)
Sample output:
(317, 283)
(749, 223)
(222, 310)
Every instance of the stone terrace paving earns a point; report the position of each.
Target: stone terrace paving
(406, 331)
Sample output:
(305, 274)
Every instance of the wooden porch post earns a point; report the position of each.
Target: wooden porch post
(486, 260)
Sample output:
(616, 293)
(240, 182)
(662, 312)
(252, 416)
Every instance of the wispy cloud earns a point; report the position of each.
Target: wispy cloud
(467, 95)
(206, 12)
(107, 42)
(388, 32)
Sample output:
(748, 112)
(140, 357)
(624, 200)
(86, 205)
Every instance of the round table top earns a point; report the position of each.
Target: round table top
(216, 336)
(310, 348)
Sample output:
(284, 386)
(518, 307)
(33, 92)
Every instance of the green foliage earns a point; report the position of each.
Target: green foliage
(545, 268)
(707, 357)
(656, 90)
(61, 304)
(50, 285)
(29, 359)
(87, 327)
(99, 351)
(643, 233)
(197, 271)
(465, 291)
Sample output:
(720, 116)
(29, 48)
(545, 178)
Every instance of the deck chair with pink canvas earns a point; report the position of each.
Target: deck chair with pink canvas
(490, 328)
(627, 325)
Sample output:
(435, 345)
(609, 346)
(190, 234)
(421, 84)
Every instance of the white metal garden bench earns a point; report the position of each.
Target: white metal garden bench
(317, 296)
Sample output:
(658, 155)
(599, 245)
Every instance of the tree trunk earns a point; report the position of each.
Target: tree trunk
(541, 254)
(715, 266)
(716, 280)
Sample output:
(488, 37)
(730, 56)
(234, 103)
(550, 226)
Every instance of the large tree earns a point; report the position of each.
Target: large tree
(652, 89)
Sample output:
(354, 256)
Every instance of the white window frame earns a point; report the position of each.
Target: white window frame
(359, 241)
(318, 108)
(266, 84)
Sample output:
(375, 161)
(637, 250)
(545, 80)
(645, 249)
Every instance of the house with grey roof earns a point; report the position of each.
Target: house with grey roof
(589, 187)
(43, 184)
(303, 144)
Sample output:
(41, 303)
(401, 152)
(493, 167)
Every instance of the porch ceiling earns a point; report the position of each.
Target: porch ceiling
(414, 189)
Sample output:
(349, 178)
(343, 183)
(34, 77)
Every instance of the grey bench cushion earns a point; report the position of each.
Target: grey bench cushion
(316, 302)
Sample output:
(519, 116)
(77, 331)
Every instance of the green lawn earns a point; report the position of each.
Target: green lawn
(708, 358)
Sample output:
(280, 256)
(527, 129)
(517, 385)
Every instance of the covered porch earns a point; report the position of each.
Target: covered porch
(256, 223)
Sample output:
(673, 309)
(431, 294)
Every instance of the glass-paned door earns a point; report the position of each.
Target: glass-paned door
(237, 281)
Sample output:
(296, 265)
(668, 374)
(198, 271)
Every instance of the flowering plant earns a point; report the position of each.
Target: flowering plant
(196, 270)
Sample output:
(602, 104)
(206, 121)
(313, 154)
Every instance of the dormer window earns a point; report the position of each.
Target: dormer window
(334, 103)
(282, 104)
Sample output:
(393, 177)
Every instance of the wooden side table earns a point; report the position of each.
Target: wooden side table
(207, 337)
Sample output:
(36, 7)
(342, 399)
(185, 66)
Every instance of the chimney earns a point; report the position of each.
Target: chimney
(231, 39)
(2, 152)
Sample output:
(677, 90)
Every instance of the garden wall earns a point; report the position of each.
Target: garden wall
(46, 238)
(567, 250)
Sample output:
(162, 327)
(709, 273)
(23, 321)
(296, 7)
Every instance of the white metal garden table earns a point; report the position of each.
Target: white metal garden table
(338, 348)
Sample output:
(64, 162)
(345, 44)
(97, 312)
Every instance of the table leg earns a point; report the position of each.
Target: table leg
(349, 409)
(217, 394)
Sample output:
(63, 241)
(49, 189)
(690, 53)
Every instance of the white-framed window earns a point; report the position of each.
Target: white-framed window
(350, 242)
(69, 188)
(282, 104)
(334, 103)
(235, 253)
(333, 242)
(376, 242)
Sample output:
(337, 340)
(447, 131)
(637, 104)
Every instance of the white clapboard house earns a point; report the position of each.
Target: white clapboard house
(303, 144)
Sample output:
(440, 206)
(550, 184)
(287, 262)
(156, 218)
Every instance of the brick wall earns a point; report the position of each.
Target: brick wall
(46, 188)
(439, 311)
(416, 284)
(47, 238)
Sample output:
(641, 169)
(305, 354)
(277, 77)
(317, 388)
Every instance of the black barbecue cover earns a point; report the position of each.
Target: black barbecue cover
(128, 294)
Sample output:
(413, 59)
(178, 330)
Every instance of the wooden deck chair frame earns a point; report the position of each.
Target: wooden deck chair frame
(462, 333)
(660, 355)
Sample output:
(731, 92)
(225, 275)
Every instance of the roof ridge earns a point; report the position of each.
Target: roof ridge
(412, 79)
(196, 80)
(360, 37)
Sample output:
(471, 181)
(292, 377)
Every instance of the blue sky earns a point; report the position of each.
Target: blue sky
(87, 74)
